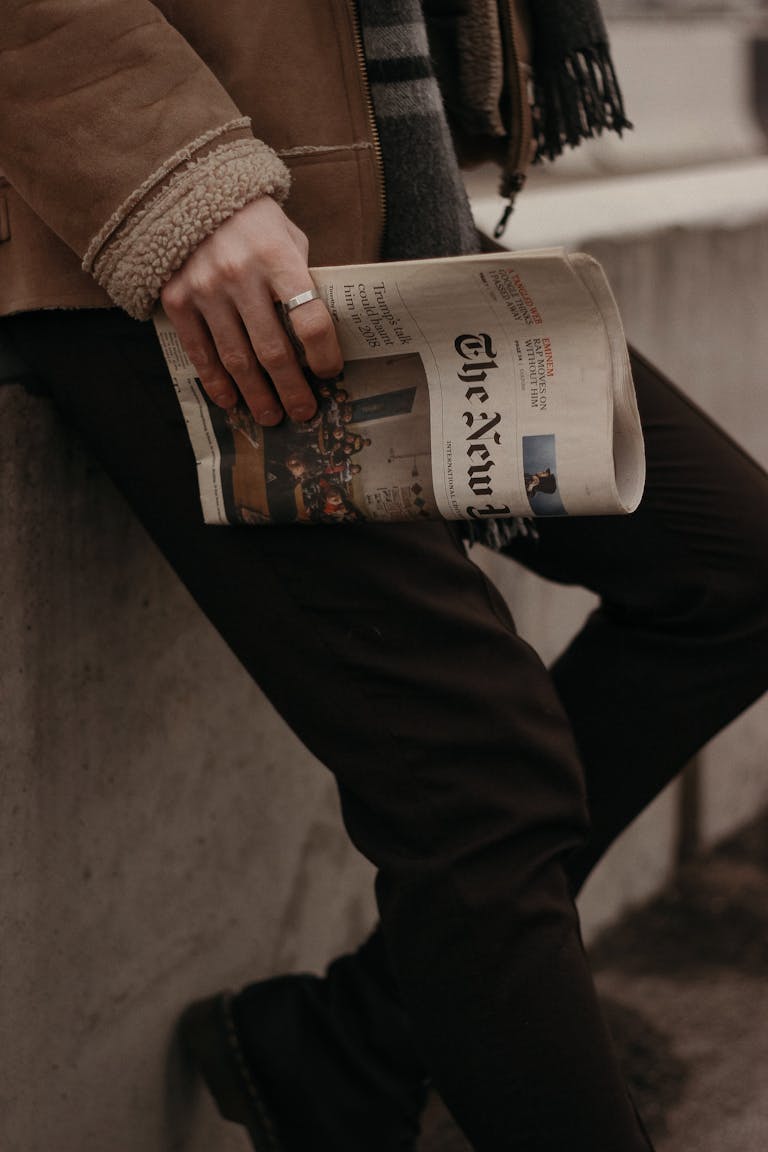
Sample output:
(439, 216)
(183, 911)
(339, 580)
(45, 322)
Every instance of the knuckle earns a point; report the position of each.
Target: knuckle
(235, 361)
(230, 268)
(272, 252)
(173, 295)
(275, 357)
(199, 356)
(315, 325)
(202, 283)
(220, 395)
(214, 381)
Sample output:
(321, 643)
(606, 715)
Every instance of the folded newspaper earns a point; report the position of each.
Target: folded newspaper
(473, 387)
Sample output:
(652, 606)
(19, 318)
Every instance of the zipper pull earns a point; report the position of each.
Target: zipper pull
(500, 228)
(510, 186)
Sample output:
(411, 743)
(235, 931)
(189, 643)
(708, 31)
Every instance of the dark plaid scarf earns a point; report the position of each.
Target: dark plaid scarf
(428, 215)
(427, 210)
(576, 95)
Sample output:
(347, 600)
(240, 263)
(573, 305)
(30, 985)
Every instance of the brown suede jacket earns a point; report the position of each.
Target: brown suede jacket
(130, 130)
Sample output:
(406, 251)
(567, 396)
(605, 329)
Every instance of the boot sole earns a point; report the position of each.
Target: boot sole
(207, 1031)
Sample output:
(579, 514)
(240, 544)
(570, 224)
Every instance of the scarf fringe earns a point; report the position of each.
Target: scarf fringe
(577, 101)
(497, 534)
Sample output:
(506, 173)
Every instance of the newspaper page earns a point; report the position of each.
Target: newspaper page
(473, 387)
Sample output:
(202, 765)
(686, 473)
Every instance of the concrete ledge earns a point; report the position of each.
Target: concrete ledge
(554, 212)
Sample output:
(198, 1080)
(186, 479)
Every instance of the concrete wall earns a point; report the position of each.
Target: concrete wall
(163, 834)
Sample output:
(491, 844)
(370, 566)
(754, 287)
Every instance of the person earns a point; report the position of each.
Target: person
(200, 155)
(543, 481)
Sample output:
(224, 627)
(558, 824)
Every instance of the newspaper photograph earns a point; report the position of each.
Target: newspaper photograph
(473, 387)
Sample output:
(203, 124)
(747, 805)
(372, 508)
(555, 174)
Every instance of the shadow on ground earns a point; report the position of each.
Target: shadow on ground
(684, 985)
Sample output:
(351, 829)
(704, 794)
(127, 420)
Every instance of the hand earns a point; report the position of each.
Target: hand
(222, 304)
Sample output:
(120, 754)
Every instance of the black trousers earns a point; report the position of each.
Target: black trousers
(481, 785)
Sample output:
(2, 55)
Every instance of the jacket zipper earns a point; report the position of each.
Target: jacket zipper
(519, 125)
(360, 53)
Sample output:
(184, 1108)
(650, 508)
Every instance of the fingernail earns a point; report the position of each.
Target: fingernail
(224, 400)
(301, 414)
(269, 416)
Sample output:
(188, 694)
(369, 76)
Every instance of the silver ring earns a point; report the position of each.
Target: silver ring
(302, 298)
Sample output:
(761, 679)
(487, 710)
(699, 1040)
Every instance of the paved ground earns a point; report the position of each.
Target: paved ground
(685, 988)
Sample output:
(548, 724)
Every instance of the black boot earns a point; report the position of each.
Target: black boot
(304, 1062)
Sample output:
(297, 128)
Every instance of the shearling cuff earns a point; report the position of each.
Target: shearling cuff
(136, 260)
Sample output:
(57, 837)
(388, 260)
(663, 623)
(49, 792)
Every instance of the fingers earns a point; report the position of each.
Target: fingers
(272, 348)
(222, 305)
(287, 275)
(226, 363)
(311, 322)
(313, 327)
(261, 361)
(202, 351)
